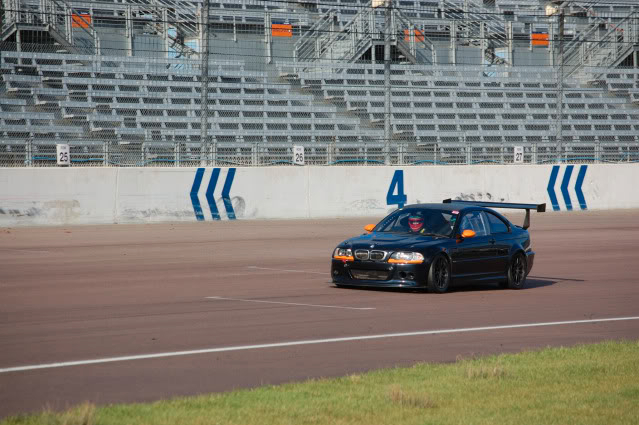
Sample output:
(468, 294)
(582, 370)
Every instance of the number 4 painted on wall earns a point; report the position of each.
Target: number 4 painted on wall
(397, 184)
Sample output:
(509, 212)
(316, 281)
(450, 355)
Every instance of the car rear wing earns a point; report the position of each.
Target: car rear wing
(527, 207)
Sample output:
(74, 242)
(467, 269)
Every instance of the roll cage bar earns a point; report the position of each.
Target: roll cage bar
(527, 207)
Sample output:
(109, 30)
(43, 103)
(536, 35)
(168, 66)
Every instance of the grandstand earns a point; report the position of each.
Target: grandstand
(131, 82)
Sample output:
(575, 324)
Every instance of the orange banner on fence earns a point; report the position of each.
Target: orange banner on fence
(419, 36)
(282, 30)
(539, 39)
(82, 20)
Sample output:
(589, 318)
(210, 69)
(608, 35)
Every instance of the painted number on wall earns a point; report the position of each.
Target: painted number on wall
(396, 195)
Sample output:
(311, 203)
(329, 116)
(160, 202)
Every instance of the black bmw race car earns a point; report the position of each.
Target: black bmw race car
(433, 246)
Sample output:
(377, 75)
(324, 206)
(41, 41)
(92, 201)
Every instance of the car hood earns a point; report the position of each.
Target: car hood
(391, 241)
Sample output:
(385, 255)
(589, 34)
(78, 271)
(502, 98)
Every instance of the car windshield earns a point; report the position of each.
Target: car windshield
(423, 221)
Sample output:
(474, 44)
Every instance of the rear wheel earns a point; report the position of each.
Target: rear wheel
(439, 275)
(517, 272)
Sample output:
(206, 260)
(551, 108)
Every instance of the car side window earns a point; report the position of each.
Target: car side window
(474, 220)
(496, 224)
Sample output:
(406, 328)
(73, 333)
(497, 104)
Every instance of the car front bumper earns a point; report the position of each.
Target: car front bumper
(379, 274)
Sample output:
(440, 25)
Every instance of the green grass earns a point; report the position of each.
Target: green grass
(587, 384)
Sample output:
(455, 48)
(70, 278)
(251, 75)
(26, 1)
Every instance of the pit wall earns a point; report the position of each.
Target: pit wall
(62, 196)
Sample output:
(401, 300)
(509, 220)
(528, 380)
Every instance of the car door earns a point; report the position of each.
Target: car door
(473, 257)
(500, 233)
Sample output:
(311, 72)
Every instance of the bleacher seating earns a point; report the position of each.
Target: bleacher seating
(504, 109)
(129, 103)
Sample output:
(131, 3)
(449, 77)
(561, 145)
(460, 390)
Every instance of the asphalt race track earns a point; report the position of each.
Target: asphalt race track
(111, 293)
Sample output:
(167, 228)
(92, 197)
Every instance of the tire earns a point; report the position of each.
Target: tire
(439, 275)
(517, 271)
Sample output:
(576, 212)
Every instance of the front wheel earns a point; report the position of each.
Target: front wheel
(517, 272)
(439, 275)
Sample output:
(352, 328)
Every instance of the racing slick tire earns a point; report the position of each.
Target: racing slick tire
(439, 275)
(517, 271)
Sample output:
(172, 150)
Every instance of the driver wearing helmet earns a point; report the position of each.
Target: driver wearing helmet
(416, 223)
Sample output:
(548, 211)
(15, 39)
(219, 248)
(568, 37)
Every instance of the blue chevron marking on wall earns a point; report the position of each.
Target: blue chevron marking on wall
(195, 200)
(565, 183)
(210, 198)
(580, 181)
(551, 188)
(564, 186)
(215, 213)
(230, 213)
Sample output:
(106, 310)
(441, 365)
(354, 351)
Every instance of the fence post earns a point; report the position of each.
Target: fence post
(435, 154)
(204, 80)
(330, 152)
(29, 152)
(260, 149)
(254, 148)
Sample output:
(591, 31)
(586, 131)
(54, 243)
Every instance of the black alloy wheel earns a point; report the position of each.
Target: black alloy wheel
(439, 275)
(517, 272)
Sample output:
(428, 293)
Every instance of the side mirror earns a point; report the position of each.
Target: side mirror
(468, 234)
(369, 227)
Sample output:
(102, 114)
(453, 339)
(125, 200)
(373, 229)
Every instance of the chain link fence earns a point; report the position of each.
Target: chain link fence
(132, 84)
(43, 154)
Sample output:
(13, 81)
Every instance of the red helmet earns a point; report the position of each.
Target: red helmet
(415, 222)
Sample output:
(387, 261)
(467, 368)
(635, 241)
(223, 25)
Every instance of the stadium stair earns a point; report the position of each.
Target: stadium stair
(68, 27)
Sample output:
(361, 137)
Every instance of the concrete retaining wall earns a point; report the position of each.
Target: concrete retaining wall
(55, 196)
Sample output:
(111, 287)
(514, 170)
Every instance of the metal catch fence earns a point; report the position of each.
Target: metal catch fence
(153, 83)
(43, 154)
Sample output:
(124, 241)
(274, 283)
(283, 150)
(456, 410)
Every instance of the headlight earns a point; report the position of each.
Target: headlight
(344, 254)
(406, 258)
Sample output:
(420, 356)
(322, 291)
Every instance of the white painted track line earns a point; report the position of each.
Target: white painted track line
(288, 270)
(297, 304)
(304, 342)
(25, 250)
